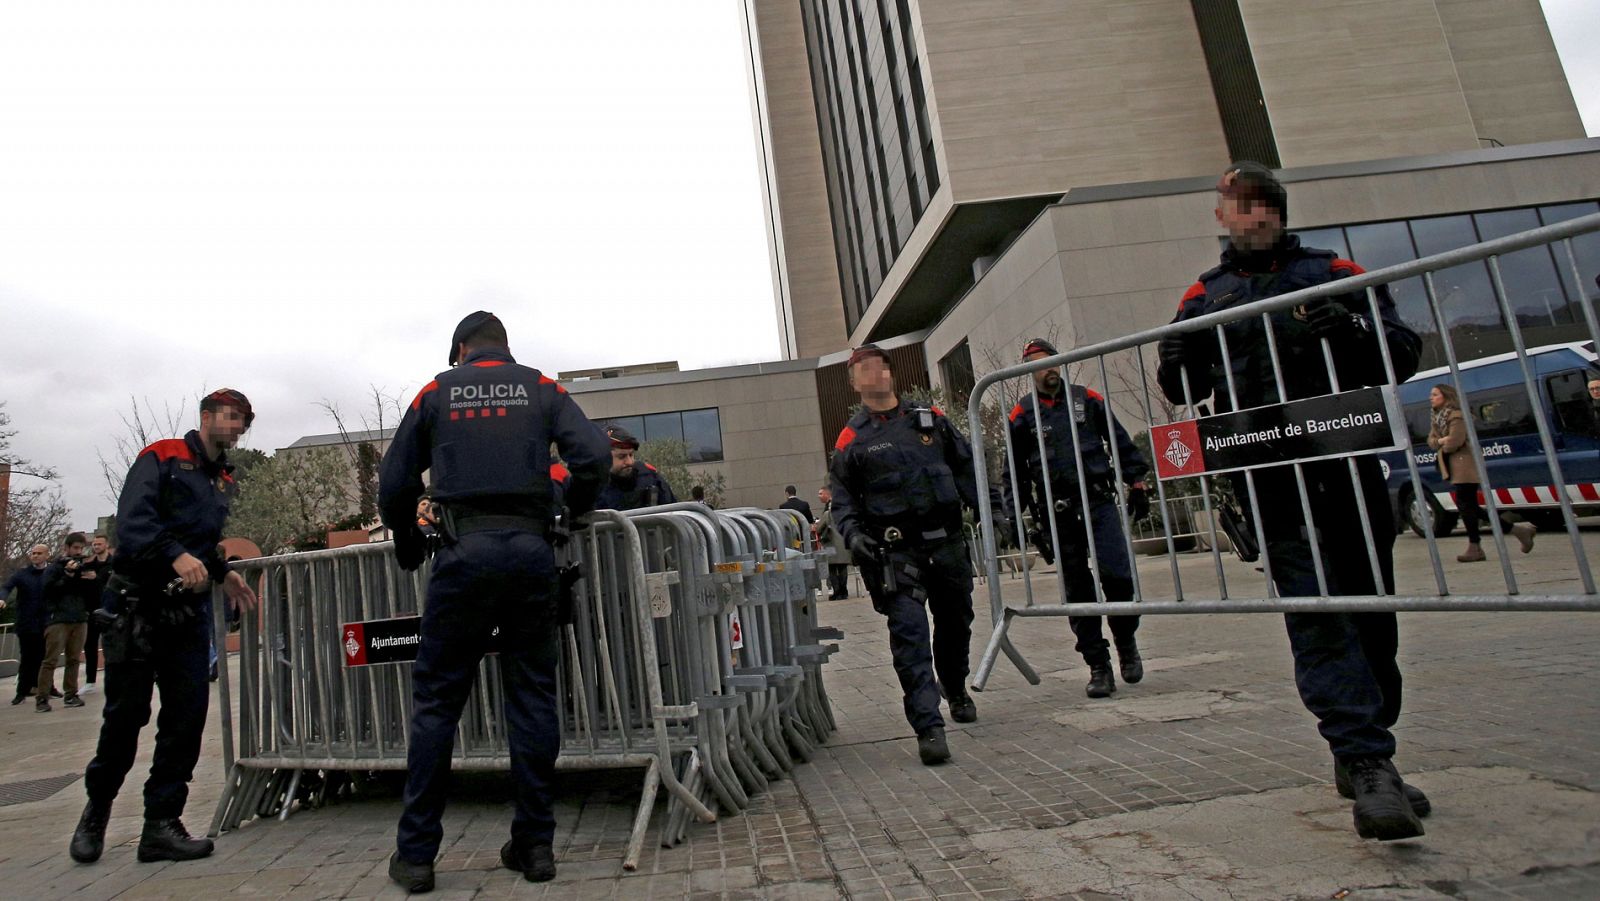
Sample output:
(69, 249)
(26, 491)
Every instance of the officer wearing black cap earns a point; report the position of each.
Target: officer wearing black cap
(483, 429)
(169, 519)
(1064, 410)
(899, 476)
(1345, 665)
(633, 483)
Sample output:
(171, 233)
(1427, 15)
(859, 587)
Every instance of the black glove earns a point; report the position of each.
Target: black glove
(1041, 543)
(577, 522)
(410, 547)
(1333, 320)
(864, 547)
(1138, 504)
(1197, 349)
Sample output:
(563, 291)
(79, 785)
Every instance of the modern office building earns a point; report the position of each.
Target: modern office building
(951, 177)
(908, 144)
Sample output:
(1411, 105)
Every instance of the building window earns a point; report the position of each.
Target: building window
(700, 430)
(1538, 281)
(955, 371)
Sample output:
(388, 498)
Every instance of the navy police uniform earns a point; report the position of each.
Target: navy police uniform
(646, 489)
(175, 501)
(484, 429)
(642, 486)
(1345, 665)
(1082, 411)
(900, 476)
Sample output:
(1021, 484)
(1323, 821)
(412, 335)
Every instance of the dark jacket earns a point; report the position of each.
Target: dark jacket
(483, 430)
(1087, 414)
(70, 596)
(175, 501)
(1246, 277)
(799, 506)
(646, 489)
(29, 584)
(908, 468)
(1242, 278)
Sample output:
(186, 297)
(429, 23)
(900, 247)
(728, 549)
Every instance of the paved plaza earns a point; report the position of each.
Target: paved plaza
(1207, 780)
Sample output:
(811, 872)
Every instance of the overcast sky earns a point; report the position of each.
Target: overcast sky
(300, 200)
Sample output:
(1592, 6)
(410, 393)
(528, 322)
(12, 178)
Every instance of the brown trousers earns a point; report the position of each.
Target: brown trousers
(61, 638)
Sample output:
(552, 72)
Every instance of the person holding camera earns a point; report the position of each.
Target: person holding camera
(482, 430)
(1077, 425)
(71, 591)
(169, 519)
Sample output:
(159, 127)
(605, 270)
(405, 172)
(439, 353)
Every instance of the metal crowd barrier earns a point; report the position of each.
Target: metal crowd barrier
(1238, 599)
(695, 655)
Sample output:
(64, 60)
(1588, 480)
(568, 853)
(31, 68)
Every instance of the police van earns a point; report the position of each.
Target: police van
(1496, 398)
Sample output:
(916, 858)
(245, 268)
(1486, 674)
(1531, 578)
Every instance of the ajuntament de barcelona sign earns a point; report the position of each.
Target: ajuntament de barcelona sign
(1365, 420)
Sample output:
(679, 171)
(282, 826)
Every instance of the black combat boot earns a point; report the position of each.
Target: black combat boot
(1130, 662)
(1420, 805)
(536, 863)
(962, 708)
(89, 839)
(1101, 682)
(415, 878)
(1381, 810)
(167, 840)
(932, 748)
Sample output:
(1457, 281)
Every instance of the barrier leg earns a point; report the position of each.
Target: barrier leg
(288, 796)
(999, 641)
(641, 818)
(229, 792)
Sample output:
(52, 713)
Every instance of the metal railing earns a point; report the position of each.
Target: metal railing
(694, 655)
(1184, 599)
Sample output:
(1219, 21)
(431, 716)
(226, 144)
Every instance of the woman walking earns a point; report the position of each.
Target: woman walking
(1448, 436)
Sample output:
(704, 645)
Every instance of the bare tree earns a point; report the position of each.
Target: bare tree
(33, 515)
(142, 426)
(383, 415)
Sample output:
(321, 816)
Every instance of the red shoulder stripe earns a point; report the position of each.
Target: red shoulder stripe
(1346, 267)
(170, 449)
(431, 386)
(1198, 289)
(546, 380)
(488, 363)
(937, 411)
(1094, 395)
(558, 473)
(1015, 412)
(845, 437)
(651, 468)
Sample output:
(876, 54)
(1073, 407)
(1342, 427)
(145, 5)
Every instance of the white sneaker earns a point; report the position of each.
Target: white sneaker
(86, 689)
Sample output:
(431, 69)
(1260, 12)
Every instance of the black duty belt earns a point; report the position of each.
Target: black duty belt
(468, 523)
(895, 535)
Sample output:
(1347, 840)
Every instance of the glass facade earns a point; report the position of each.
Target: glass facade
(701, 430)
(877, 149)
(1538, 282)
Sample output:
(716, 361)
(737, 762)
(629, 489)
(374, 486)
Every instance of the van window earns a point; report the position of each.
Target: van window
(1499, 412)
(1569, 396)
(1419, 419)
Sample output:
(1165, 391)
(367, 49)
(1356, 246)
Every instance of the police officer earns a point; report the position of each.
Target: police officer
(169, 519)
(633, 483)
(1345, 664)
(899, 476)
(483, 429)
(1064, 410)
